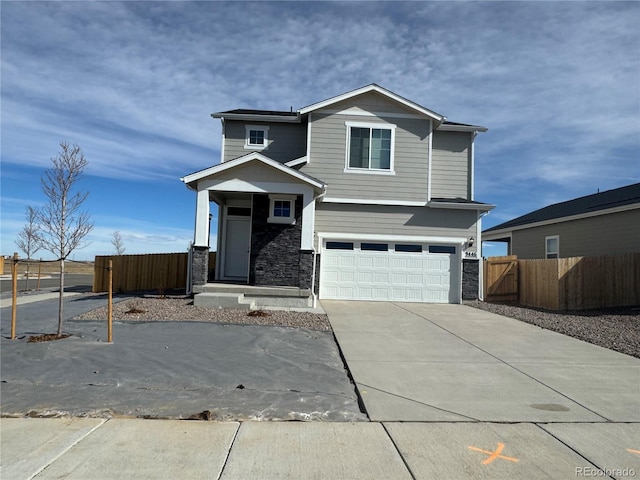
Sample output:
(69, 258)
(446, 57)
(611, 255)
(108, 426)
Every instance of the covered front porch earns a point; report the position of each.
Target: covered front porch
(266, 213)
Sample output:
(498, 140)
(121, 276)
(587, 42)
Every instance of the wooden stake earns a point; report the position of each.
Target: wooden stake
(110, 305)
(39, 272)
(14, 278)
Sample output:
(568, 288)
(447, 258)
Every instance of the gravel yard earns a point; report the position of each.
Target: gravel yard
(615, 328)
(154, 308)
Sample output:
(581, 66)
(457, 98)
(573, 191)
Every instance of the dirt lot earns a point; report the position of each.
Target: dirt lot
(47, 267)
(614, 328)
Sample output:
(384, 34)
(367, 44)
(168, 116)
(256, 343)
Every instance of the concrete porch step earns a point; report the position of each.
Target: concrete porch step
(252, 297)
(253, 291)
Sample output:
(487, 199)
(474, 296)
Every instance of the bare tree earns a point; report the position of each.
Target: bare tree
(63, 226)
(117, 243)
(28, 238)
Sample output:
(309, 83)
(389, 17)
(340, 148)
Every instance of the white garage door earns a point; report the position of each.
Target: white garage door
(401, 272)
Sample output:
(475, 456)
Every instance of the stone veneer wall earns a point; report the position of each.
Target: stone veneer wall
(470, 279)
(276, 258)
(199, 265)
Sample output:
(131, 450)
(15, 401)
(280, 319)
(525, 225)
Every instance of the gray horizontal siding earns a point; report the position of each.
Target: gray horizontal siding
(287, 141)
(451, 165)
(328, 159)
(602, 235)
(388, 220)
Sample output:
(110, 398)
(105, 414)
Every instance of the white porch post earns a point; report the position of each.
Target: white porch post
(308, 219)
(201, 237)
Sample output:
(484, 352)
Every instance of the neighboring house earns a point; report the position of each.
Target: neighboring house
(364, 196)
(604, 223)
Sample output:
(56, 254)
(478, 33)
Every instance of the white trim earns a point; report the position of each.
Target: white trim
(356, 112)
(370, 125)
(373, 88)
(257, 128)
(503, 231)
(291, 219)
(236, 162)
(473, 166)
(223, 140)
(201, 233)
(429, 160)
(309, 138)
(366, 201)
(298, 161)
(322, 236)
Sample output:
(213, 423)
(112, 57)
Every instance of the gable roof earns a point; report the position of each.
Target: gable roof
(595, 204)
(192, 179)
(374, 88)
(296, 116)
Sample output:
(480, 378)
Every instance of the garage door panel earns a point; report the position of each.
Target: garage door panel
(404, 276)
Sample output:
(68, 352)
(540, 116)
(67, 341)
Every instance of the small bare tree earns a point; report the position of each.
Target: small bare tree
(28, 238)
(117, 243)
(63, 226)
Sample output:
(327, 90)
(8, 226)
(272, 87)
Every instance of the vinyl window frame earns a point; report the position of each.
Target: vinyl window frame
(368, 170)
(256, 128)
(549, 253)
(289, 220)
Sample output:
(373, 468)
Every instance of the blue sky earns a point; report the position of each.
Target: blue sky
(134, 84)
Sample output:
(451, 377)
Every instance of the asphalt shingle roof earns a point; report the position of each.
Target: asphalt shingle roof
(617, 197)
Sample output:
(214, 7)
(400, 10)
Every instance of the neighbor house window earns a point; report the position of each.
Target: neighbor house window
(370, 147)
(257, 137)
(282, 209)
(552, 246)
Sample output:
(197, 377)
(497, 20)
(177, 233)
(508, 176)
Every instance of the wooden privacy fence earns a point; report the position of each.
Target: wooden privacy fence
(156, 271)
(576, 283)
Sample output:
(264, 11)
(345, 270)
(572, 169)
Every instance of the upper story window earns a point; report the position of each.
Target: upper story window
(257, 137)
(370, 147)
(552, 246)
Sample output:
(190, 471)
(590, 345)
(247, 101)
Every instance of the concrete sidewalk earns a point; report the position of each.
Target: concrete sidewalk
(85, 449)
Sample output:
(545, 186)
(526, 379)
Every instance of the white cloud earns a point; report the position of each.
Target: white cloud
(133, 83)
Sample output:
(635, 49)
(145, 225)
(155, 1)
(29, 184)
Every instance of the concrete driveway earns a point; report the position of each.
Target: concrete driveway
(424, 362)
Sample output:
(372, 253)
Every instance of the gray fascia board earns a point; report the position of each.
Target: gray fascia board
(258, 118)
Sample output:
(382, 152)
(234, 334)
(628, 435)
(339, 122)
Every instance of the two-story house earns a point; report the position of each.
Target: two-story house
(364, 196)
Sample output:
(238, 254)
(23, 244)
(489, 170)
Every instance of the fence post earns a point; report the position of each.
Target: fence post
(14, 281)
(110, 304)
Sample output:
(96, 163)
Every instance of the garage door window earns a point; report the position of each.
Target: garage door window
(442, 249)
(339, 246)
(376, 247)
(408, 248)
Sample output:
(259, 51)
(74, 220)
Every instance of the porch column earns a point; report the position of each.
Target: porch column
(308, 219)
(201, 237)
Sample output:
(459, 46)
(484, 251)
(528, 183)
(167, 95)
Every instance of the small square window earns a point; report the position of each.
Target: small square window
(282, 209)
(257, 137)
